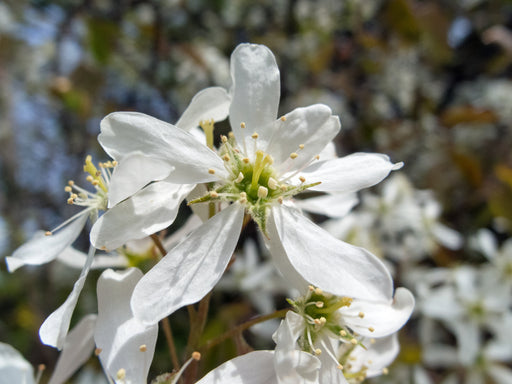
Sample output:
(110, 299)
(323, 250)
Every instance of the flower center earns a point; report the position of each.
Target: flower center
(255, 184)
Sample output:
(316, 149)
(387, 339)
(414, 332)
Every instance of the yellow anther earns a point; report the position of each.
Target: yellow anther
(67, 188)
(283, 118)
(214, 194)
(385, 371)
(97, 351)
(239, 178)
(94, 173)
(293, 155)
(246, 160)
(114, 163)
(231, 135)
(143, 348)
(71, 201)
(242, 125)
(41, 367)
(121, 374)
(372, 341)
(318, 351)
(360, 314)
(89, 178)
(317, 157)
(223, 138)
(343, 333)
(311, 288)
(48, 233)
(243, 197)
(262, 192)
(211, 171)
(319, 291)
(280, 200)
(370, 362)
(226, 157)
(353, 342)
(71, 183)
(301, 146)
(340, 367)
(95, 182)
(302, 179)
(255, 135)
(319, 304)
(196, 355)
(371, 329)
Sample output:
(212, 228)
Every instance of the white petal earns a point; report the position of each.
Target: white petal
(255, 94)
(448, 237)
(335, 205)
(42, 249)
(123, 133)
(76, 259)
(468, 340)
(118, 333)
(77, 349)
(251, 368)
(54, 329)
(500, 374)
(442, 303)
(148, 211)
(15, 369)
(384, 317)
(210, 103)
(326, 262)
(312, 126)
(134, 172)
(487, 243)
(291, 364)
(350, 173)
(191, 269)
(381, 352)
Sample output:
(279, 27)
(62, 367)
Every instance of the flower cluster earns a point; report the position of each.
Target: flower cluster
(345, 313)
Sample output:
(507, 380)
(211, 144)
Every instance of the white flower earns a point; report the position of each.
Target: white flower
(258, 169)
(127, 346)
(13, 366)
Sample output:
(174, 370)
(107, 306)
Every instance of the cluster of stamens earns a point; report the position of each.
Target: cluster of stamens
(323, 320)
(93, 201)
(252, 182)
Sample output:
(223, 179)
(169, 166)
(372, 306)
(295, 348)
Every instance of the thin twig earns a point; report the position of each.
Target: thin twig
(242, 327)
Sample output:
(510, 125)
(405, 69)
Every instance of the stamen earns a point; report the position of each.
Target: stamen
(301, 146)
(353, 341)
(272, 183)
(371, 329)
(254, 135)
(293, 155)
(224, 139)
(211, 171)
(97, 351)
(262, 192)
(48, 233)
(283, 118)
(361, 314)
(302, 179)
(385, 371)
(143, 348)
(214, 194)
(239, 178)
(226, 157)
(121, 374)
(196, 356)
(242, 125)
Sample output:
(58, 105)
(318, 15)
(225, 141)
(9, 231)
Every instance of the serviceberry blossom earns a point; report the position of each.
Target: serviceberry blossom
(258, 169)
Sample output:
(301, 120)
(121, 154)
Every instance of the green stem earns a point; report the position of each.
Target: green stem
(242, 327)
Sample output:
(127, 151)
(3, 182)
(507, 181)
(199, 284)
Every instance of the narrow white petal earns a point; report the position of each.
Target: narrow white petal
(42, 249)
(148, 211)
(448, 237)
(255, 94)
(15, 369)
(76, 259)
(123, 133)
(335, 205)
(77, 349)
(326, 262)
(251, 368)
(381, 353)
(210, 103)
(118, 333)
(54, 329)
(191, 269)
(313, 127)
(500, 374)
(350, 173)
(134, 172)
(291, 364)
(384, 317)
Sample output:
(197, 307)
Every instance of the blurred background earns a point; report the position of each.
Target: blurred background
(426, 82)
